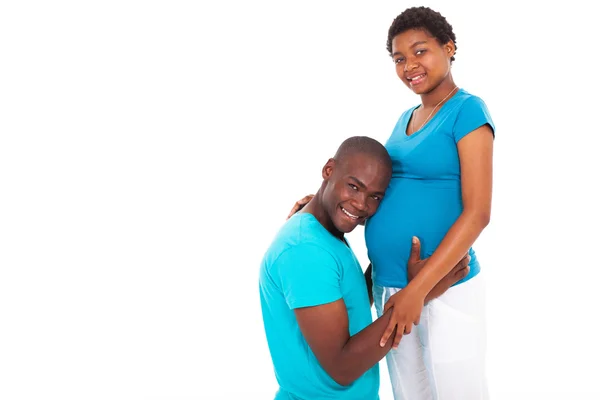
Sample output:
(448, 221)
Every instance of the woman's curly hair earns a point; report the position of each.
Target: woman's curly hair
(421, 18)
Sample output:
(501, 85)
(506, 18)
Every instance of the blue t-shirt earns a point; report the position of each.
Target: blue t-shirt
(424, 197)
(307, 266)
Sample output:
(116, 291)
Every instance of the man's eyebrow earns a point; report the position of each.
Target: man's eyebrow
(363, 186)
(358, 182)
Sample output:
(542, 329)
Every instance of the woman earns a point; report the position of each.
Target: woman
(440, 192)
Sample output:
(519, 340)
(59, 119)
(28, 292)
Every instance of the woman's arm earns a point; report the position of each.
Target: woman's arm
(475, 154)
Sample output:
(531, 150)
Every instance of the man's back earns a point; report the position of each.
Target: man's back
(307, 266)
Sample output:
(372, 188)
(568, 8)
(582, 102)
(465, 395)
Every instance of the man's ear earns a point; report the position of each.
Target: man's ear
(328, 169)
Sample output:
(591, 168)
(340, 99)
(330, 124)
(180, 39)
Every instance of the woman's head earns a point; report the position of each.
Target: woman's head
(422, 18)
(422, 45)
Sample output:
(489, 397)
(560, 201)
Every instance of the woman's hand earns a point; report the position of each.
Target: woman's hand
(300, 204)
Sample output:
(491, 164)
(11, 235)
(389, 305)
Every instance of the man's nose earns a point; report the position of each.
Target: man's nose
(360, 202)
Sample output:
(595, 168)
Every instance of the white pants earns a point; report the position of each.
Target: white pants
(443, 358)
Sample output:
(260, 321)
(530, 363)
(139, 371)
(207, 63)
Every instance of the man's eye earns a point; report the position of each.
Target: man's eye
(399, 60)
(354, 187)
(419, 52)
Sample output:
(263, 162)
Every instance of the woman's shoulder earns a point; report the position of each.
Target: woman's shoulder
(467, 99)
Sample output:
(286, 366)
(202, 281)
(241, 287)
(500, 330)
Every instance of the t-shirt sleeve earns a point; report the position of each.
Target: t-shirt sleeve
(472, 115)
(308, 275)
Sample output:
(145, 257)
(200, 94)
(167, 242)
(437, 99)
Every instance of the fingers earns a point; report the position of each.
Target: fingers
(293, 211)
(399, 334)
(297, 207)
(465, 260)
(299, 204)
(460, 271)
(462, 268)
(387, 306)
(463, 272)
(462, 264)
(388, 332)
(407, 329)
(401, 330)
(415, 250)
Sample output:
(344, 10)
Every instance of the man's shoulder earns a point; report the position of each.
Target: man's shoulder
(302, 230)
(301, 237)
(297, 237)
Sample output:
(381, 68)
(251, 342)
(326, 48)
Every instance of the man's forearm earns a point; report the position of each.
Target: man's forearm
(362, 351)
(460, 271)
(439, 289)
(369, 279)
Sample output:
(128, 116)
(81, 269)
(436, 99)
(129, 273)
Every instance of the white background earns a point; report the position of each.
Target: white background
(150, 150)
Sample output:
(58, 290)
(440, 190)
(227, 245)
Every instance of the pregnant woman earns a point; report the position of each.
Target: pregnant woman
(440, 192)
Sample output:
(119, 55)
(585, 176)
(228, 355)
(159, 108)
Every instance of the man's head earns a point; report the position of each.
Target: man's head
(354, 182)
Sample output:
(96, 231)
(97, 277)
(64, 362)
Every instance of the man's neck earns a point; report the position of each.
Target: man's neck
(315, 207)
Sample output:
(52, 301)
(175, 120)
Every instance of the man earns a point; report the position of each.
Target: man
(315, 300)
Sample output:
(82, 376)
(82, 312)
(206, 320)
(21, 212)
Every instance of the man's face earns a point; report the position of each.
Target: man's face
(355, 187)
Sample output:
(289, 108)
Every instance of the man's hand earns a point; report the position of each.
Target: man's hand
(300, 204)
(415, 264)
(408, 303)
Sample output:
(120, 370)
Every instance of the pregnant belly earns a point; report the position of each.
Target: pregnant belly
(426, 209)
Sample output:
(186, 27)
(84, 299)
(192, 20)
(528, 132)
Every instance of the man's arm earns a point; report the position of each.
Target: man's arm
(460, 271)
(345, 358)
(310, 278)
(369, 279)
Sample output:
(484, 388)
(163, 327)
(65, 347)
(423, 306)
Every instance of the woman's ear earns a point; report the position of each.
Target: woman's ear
(450, 48)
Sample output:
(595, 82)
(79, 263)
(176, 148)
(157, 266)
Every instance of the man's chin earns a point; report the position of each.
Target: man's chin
(346, 227)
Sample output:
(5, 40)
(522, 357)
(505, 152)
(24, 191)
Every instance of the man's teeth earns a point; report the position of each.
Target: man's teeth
(416, 77)
(348, 214)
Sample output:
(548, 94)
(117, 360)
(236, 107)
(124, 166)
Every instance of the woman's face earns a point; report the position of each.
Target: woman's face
(422, 63)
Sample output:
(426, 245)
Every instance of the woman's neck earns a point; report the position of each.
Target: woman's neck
(434, 97)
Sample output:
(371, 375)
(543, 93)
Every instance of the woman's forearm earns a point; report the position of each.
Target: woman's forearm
(455, 245)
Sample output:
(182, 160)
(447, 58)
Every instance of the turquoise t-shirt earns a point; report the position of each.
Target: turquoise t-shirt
(424, 197)
(307, 266)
